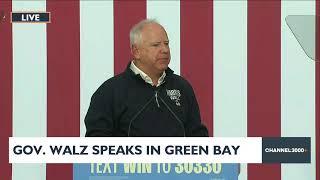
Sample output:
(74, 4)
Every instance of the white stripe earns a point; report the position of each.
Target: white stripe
(297, 90)
(96, 50)
(230, 70)
(29, 85)
(167, 13)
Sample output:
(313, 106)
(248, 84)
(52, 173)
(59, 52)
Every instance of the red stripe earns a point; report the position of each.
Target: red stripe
(264, 79)
(126, 14)
(63, 46)
(317, 124)
(196, 41)
(5, 87)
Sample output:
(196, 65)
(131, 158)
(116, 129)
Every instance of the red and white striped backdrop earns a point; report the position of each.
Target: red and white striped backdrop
(250, 75)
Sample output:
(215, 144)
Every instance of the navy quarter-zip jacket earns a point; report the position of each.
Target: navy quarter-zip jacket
(126, 105)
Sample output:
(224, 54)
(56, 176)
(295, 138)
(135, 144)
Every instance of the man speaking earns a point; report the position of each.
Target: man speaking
(147, 99)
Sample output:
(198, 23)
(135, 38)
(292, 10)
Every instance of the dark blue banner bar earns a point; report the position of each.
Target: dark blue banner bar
(31, 17)
(286, 150)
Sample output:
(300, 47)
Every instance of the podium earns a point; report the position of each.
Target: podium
(156, 171)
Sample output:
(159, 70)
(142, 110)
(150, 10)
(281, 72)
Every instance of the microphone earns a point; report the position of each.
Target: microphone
(175, 116)
(137, 114)
(166, 105)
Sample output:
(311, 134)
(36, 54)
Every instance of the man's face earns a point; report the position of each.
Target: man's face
(153, 52)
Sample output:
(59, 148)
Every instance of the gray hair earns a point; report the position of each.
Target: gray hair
(135, 31)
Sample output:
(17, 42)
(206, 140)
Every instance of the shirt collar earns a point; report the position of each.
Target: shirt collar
(144, 76)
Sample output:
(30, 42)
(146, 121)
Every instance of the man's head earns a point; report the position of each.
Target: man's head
(150, 47)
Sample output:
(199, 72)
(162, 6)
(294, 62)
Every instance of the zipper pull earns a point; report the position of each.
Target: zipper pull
(156, 96)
